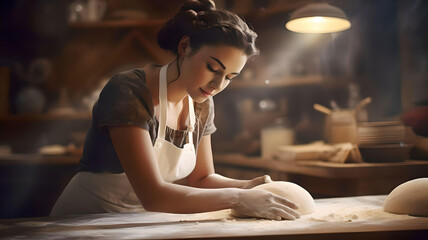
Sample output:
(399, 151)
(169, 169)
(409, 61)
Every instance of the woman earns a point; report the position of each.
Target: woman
(148, 122)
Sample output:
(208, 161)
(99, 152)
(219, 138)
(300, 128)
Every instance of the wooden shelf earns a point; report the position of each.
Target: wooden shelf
(280, 82)
(46, 117)
(118, 24)
(38, 159)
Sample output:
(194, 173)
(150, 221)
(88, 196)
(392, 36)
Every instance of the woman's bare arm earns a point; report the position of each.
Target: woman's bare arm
(135, 151)
(204, 175)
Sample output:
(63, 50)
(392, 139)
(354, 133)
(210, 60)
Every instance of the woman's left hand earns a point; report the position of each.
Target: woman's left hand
(257, 181)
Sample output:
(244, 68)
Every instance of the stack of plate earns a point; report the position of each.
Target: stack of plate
(388, 141)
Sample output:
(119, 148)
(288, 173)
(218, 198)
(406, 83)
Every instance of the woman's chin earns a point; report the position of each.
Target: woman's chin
(200, 99)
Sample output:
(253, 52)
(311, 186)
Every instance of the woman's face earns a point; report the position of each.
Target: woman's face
(210, 69)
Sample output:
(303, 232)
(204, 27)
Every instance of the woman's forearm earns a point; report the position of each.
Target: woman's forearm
(218, 181)
(174, 198)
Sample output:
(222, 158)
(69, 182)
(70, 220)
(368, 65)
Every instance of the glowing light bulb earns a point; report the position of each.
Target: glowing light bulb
(318, 18)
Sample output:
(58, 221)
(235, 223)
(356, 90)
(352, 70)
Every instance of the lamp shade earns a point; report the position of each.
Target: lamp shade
(318, 18)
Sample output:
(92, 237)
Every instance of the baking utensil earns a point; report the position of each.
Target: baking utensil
(322, 109)
(363, 103)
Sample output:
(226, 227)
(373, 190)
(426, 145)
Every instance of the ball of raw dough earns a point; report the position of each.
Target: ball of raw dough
(290, 191)
(409, 198)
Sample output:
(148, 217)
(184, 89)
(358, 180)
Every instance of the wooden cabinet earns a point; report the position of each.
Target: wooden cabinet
(27, 133)
(31, 183)
(325, 179)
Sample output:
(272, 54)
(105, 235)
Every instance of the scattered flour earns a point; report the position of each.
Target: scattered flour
(32, 224)
(346, 214)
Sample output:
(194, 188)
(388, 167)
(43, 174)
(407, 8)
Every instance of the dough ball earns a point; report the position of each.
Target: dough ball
(409, 198)
(290, 191)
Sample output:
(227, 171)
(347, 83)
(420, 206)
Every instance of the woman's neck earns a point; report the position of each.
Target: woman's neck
(176, 88)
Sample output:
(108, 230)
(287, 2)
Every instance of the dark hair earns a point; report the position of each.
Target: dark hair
(206, 25)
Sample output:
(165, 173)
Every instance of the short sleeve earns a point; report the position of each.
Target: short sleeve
(210, 127)
(125, 100)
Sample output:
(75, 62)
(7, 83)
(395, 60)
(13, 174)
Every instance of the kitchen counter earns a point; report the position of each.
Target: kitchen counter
(39, 159)
(31, 183)
(350, 218)
(327, 169)
(328, 179)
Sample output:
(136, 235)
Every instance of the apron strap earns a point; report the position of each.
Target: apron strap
(163, 107)
(191, 124)
(162, 102)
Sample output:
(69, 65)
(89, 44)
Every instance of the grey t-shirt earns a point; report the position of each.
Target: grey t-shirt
(126, 100)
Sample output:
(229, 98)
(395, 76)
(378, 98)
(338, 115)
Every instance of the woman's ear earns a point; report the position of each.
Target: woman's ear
(184, 46)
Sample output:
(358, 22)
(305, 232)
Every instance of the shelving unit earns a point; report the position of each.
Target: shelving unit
(96, 49)
(45, 117)
(117, 24)
(283, 82)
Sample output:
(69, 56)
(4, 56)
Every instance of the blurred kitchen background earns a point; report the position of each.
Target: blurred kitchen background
(55, 57)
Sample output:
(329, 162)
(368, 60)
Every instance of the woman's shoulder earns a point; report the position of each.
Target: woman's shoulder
(127, 86)
(137, 77)
(125, 99)
(133, 81)
(129, 76)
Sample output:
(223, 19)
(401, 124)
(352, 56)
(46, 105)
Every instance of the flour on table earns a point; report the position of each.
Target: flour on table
(32, 224)
(222, 216)
(352, 214)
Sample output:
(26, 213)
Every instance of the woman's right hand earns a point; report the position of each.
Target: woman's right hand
(263, 204)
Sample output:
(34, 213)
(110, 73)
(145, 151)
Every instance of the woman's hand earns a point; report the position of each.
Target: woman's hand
(257, 181)
(263, 204)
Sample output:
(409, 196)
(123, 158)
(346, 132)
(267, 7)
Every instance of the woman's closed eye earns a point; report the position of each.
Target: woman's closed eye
(211, 69)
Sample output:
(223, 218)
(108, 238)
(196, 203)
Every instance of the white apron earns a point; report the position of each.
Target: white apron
(102, 192)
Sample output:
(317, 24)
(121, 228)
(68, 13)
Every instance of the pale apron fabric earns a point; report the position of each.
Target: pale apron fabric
(89, 192)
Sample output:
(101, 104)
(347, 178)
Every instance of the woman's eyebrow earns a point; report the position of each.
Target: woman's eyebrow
(222, 65)
(219, 62)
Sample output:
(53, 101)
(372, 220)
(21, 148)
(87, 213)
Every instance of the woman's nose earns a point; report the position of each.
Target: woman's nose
(213, 85)
(217, 83)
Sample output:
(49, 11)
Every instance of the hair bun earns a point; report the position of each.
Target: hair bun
(198, 5)
(205, 25)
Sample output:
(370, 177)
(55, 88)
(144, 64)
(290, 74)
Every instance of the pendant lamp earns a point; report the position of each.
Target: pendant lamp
(318, 18)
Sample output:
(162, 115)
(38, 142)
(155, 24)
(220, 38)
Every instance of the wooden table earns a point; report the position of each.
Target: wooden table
(327, 179)
(334, 218)
(31, 183)
(38, 159)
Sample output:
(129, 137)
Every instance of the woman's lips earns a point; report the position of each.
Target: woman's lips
(205, 93)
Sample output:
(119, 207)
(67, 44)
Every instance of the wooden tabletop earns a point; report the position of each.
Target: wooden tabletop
(328, 169)
(334, 218)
